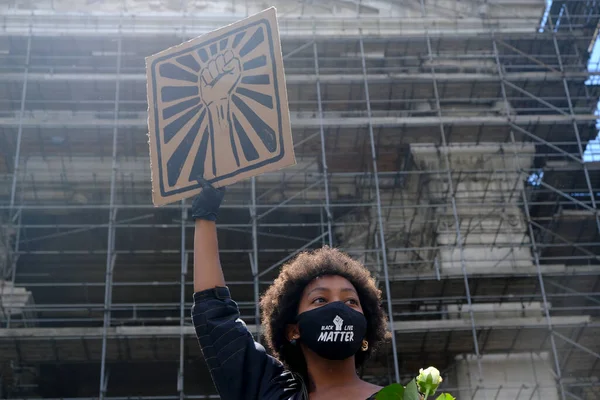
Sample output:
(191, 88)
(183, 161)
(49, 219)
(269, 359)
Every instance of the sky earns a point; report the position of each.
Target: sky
(592, 152)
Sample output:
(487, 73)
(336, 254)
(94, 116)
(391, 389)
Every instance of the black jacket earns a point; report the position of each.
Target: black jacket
(240, 367)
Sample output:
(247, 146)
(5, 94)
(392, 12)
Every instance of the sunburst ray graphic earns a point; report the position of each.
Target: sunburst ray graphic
(220, 111)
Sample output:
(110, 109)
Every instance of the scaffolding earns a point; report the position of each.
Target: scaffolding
(439, 142)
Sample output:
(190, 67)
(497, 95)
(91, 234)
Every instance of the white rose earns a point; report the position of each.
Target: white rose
(428, 380)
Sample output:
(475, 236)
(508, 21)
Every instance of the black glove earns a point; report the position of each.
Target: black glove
(206, 204)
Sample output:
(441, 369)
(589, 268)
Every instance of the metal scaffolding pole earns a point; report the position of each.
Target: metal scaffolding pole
(304, 77)
(575, 127)
(13, 267)
(182, 305)
(334, 121)
(150, 24)
(452, 195)
(323, 149)
(535, 249)
(111, 256)
(570, 199)
(573, 37)
(381, 232)
(535, 252)
(254, 260)
(68, 307)
(17, 159)
(12, 215)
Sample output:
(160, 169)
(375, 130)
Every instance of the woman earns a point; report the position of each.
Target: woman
(322, 319)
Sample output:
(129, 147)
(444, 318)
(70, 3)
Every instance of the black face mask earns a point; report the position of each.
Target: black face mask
(334, 331)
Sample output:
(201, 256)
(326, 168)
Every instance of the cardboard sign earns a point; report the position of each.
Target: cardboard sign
(217, 108)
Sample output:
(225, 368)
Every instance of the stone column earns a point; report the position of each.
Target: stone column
(516, 376)
(487, 180)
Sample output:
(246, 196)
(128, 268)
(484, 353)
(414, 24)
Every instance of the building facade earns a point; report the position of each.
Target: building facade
(443, 143)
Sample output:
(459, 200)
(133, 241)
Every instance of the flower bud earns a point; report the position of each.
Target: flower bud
(428, 380)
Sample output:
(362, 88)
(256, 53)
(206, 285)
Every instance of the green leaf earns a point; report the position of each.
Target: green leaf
(412, 393)
(394, 391)
(445, 396)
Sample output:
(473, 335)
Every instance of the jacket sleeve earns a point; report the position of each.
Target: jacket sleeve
(240, 368)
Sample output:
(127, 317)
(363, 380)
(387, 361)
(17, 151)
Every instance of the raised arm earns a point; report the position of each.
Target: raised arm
(208, 273)
(207, 267)
(240, 367)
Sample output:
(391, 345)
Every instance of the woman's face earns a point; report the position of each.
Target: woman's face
(328, 289)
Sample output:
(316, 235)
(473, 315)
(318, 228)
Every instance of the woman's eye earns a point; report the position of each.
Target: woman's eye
(319, 300)
(352, 301)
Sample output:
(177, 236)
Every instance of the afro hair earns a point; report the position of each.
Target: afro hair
(280, 303)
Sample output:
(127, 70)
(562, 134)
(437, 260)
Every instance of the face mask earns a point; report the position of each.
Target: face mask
(334, 331)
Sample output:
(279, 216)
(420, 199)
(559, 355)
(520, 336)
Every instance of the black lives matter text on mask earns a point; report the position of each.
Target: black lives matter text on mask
(336, 332)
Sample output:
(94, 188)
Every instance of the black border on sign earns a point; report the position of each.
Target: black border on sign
(277, 102)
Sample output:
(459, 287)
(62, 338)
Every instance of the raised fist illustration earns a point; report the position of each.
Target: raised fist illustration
(219, 77)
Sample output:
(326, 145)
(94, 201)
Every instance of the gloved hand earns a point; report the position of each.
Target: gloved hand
(206, 204)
